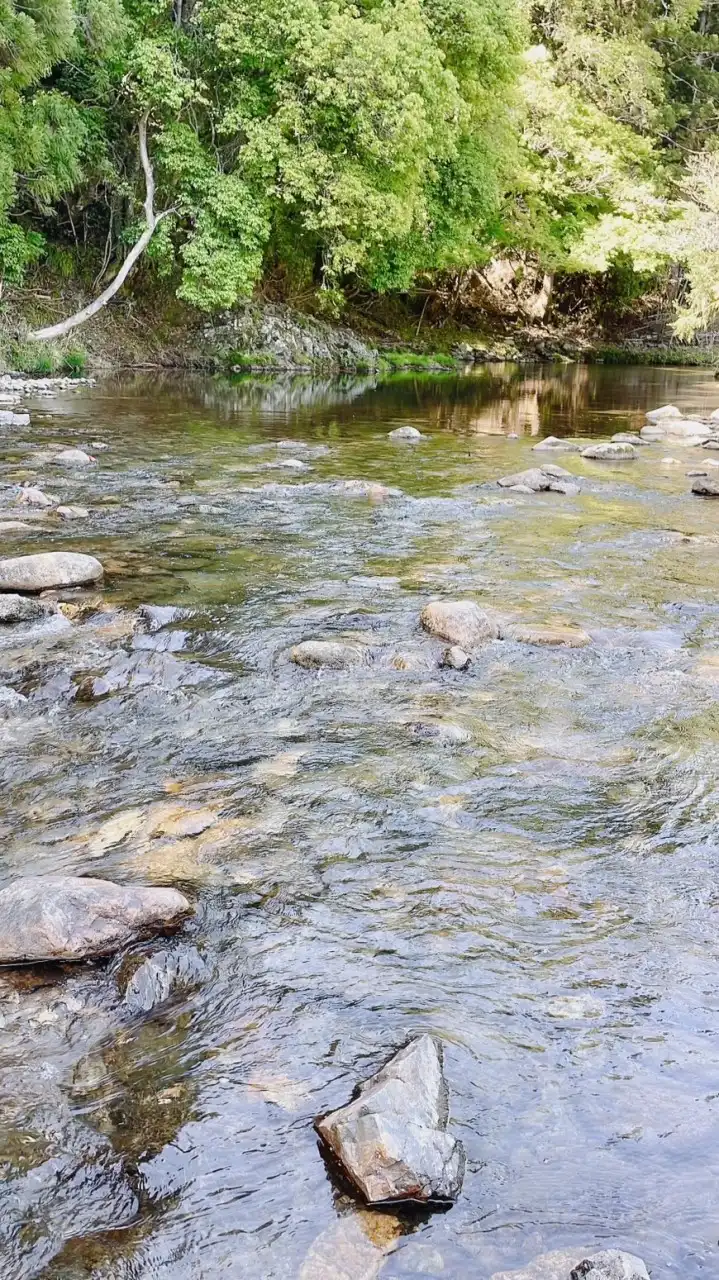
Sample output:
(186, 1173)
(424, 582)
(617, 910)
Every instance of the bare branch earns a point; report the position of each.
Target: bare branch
(152, 221)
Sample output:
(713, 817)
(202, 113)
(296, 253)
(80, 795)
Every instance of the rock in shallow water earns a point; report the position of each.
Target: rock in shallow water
(48, 569)
(392, 1141)
(666, 411)
(609, 451)
(548, 478)
(68, 918)
(405, 433)
(706, 486)
(554, 442)
(455, 658)
(20, 609)
(459, 622)
(574, 1264)
(327, 653)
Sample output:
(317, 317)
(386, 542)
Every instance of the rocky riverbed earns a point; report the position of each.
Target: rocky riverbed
(369, 755)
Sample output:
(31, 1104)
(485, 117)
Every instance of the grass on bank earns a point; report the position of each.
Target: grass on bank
(679, 357)
(41, 359)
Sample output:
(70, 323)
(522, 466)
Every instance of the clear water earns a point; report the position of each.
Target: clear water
(536, 883)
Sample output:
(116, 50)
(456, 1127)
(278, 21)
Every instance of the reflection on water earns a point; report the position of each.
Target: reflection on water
(521, 858)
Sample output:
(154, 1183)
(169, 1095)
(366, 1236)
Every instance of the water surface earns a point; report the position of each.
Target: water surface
(521, 859)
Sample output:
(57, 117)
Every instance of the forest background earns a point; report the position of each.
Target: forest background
(455, 157)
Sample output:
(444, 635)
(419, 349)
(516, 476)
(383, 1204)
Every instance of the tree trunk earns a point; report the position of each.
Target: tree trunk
(152, 221)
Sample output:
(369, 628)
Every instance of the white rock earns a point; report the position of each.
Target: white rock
(405, 433)
(48, 569)
(459, 622)
(72, 458)
(666, 411)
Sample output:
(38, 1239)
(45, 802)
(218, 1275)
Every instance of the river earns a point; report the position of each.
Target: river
(521, 858)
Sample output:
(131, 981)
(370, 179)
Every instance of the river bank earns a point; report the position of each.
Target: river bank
(137, 332)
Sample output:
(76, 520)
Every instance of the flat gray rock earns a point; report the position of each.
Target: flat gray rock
(576, 1264)
(10, 419)
(54, 918)
(628, 437)
(327, 653)
(706, 486)
(459, 622)
(540, 479)
(609, 451)
(48, 569)
(21, 609)
(392, 1141)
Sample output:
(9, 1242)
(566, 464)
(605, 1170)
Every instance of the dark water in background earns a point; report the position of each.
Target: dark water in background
(537, 885)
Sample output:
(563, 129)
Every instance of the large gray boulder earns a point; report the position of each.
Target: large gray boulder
(327, 653)
(707, 486)
(575, 1264)
(459, 622)
(68, 918)
(48, 569)
(609, 451)
(392, 1141)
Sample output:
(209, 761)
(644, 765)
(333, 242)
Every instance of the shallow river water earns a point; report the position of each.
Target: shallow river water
(521, 858)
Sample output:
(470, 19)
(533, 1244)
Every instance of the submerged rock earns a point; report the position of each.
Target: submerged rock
(371, 489)
(540, 479)
(661, 414)
(570, 637)
(405, 433)
(327, 653)
(575, 1264)
(68, 918)
(609, 451)
(459, 622)
(163, 975)
(48, 569)
(392, 1141)
(554, 442)
(156, 616)
(455, 658)
(628, 437)
(706, 486)
(21, 609)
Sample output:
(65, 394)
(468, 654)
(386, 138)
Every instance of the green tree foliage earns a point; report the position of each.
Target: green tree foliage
(356, 143)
